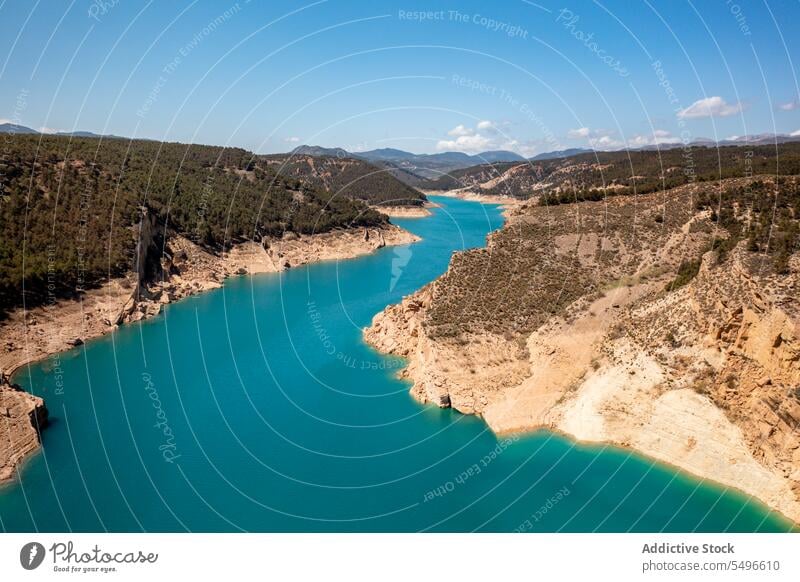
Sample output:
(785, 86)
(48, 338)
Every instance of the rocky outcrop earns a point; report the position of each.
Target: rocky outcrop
(184, 268)
(147, 251)
(705, 377)
(444, 372)
(164, 273)
(22, 417)
(398, 330)
(744, 333)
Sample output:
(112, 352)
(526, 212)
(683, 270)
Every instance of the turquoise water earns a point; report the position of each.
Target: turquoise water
(258, 407)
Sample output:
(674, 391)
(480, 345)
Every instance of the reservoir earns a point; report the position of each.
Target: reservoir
(258, 407)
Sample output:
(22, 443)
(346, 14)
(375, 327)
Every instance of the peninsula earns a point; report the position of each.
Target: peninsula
(667, 322)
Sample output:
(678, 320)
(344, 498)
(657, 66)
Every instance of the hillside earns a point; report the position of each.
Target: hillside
(595, 175)
(667, 322)
(72, 209)
(16, 129)
(346, 176)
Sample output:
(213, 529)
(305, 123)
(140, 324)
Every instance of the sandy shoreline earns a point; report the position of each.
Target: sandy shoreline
(39, 333)
(467, 194)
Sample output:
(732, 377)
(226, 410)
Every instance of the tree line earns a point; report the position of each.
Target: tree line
(69, 207)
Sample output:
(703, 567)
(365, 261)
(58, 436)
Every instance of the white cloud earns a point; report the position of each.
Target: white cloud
(581, 132)
(710, 107)
(597, 138)
(47, 130)
(638, 141)
(292, 139)
(605, 142)
(585, 132)
(460, 131)
(486, 135)
(465, 143)
(790, 106)
(4, 120)
(795, 133)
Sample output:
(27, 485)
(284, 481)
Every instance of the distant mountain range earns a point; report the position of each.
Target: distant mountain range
(559, 154)
(389, 154)
(412, 166)
(417, 169)
(14, 128)
(21, 129)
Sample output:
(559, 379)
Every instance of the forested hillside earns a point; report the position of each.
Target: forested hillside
(68, 206)
(346, 176)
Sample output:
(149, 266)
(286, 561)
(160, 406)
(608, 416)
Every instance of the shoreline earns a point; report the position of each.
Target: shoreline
(429, 385)
(580, 380)
(407, 211)
(203, 272)
(654, 461)
(46, 331)
(508, 203)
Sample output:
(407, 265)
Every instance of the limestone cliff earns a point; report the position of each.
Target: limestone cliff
(22, 416)
(597, 331)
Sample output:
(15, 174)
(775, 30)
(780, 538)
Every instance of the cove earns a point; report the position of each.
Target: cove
(257, 407)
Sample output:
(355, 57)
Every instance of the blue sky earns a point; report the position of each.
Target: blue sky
(422, 76)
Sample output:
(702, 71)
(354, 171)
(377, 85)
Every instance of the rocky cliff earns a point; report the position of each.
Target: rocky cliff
(636, 321)
(22, 416)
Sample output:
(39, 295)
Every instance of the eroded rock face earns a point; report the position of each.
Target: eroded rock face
(566, 321)
(446, 373)
(758, 383)
(22, 417)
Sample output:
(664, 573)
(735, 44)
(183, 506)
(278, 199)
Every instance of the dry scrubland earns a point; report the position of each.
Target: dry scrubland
(347, 177)
(597, 175)
(667, 322)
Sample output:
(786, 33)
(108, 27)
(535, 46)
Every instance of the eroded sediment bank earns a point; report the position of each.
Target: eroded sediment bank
(407, 211)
